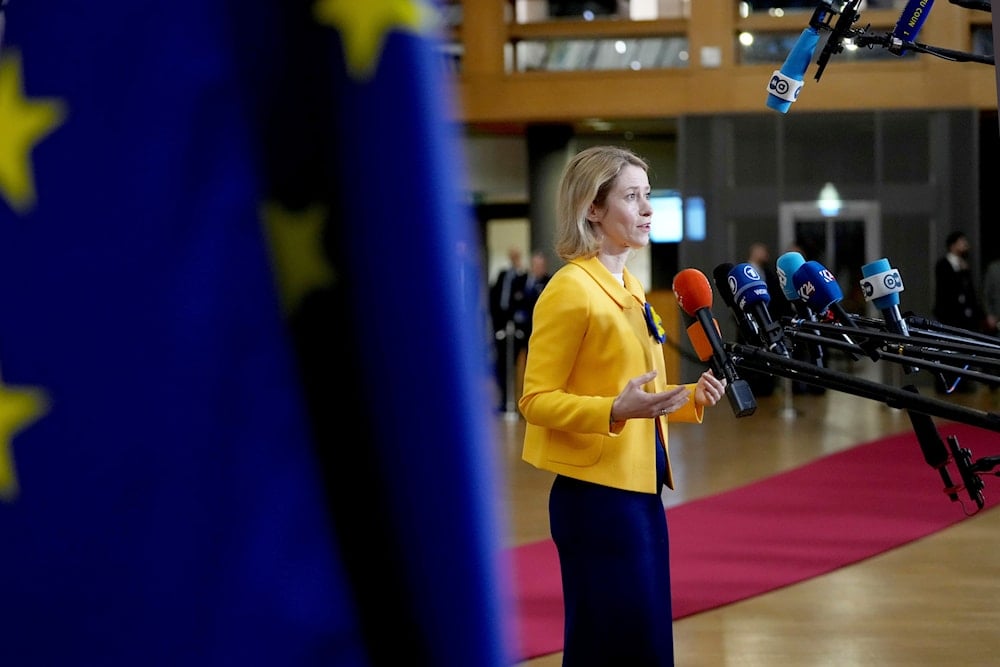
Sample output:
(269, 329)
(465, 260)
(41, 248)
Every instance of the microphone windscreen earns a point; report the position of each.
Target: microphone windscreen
(692, 291)
(890, 280)
(699, 339)
(748, 285)
(787, 265)
(721, 276)
(817, 286)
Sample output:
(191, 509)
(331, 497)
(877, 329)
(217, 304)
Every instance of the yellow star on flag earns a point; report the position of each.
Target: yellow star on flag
(23, 124)
(363, 25)
(19, 408)
(299, 261)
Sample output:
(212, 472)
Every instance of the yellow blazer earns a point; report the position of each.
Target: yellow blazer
(589, 338)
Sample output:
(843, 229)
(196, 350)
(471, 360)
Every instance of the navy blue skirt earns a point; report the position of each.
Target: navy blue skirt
(614, 558)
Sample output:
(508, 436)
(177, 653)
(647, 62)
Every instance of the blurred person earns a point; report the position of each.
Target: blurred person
(505, 293)
(956, 301)
(527, 288)
(596, 401)
(991, 297)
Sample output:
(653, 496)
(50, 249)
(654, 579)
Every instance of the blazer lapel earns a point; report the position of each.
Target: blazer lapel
(629, 298)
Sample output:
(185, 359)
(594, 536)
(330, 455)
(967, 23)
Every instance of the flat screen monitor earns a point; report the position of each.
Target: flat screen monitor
(668, 217)
(694, 218)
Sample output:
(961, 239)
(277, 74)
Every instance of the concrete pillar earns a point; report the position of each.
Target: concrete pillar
(548, 152)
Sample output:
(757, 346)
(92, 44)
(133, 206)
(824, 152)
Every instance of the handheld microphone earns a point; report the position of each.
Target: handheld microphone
(751, 297)
(881, 285)
(694, 296)
(747, 327)
(786, 267)
(911, 20)
(818, 288)
(786, 83)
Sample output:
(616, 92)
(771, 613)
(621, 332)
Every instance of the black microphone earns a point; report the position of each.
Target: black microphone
(979, 5)
(694, 296)
(748, 329)
(751, 297)
(935, 452)
(835, 42)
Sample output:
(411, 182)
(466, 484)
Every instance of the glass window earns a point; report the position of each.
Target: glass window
(533, 11)
(773, 47)
(982, 40)
(779, 7)
(564, 55)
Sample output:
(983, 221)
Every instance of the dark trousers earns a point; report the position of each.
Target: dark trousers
(614, 558)
(506, 354)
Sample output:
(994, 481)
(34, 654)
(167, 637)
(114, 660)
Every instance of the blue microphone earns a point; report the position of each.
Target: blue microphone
(786, 83)
(748, 328)
(909, 24)
(881, 285)
(787, 265)
(818, 287)
(751, 297)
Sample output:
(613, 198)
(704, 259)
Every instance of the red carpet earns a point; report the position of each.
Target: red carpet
(835, 511)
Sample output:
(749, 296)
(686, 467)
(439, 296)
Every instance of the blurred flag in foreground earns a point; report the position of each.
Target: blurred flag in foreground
(394, 348)
(161, 424)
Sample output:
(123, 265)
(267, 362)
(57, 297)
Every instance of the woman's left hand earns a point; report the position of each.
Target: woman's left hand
(709, 389)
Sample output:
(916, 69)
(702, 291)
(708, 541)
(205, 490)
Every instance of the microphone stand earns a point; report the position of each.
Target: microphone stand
(917, 407)
(756, 359)
(920, 352)
(957, 333)
(841, 31)
(889, 42)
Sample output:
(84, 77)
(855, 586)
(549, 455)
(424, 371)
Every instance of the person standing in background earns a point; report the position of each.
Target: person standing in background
(596, 401)
(505, 293)
(991, 298)
(527, 289)
(956, 301)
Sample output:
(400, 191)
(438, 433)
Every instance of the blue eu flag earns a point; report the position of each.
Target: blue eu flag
(176, 439)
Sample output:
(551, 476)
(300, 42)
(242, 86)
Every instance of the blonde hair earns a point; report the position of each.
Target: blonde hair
(587, 179)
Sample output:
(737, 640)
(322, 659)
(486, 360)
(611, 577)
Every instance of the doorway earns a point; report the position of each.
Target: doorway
(843, 242)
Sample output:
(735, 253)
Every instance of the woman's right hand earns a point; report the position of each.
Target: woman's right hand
(634, 401)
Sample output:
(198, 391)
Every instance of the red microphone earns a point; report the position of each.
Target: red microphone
(694, 296)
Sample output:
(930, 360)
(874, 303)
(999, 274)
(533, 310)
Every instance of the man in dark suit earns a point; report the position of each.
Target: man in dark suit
(527, 287)
(956, 300)
(505, 293)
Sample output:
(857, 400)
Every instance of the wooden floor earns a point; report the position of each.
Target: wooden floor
(935, 602)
